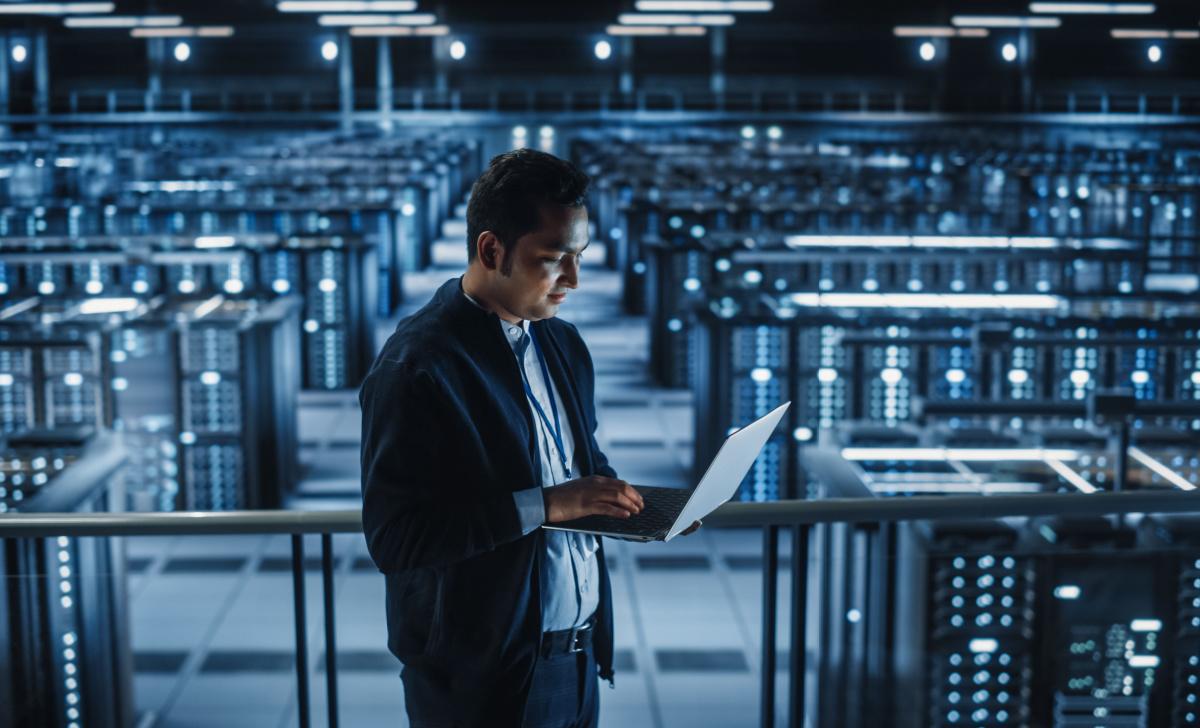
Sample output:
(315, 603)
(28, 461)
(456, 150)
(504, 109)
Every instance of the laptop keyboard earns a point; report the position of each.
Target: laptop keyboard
(662, 507)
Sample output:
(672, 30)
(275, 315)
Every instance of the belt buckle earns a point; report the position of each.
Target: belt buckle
(575, 642)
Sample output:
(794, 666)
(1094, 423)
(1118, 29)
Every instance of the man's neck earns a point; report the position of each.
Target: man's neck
(477, 290)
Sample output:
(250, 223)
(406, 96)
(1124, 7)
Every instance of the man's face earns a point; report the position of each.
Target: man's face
(544, 264)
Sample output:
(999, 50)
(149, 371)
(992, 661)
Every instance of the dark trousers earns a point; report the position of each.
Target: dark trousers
(564, 693)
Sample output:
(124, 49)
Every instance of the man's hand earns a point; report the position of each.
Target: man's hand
(594, 495)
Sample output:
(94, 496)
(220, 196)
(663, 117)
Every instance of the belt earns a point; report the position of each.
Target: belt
(568, 641)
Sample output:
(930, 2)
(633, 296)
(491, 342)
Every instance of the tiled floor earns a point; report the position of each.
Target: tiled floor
(212, 618)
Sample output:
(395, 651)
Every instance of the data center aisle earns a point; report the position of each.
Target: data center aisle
(212, 618)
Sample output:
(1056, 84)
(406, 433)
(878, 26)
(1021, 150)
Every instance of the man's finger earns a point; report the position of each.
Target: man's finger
(607, 510)
(620, 499)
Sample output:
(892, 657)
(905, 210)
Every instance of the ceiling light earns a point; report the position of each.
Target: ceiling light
(1141, 34)
(344, 20)
(1147, 34)
(346, 6)
(458, 50)
(673, 19)
(656, 30)
(705, 6)
(603, 50)
(1009, 52)
(19, 53)
(1093, 8)
(207, 31)
(937, 31)
(1154, 53)
(124, 21)
(329, 50)
(1003, 21)
(928, 51)
(398, 31)
(55, 8)
(183, 51)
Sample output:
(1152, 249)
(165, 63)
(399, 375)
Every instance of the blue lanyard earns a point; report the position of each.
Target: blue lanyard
(556, 432)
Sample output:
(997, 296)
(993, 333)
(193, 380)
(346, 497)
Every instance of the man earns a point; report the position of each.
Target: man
(478, 427)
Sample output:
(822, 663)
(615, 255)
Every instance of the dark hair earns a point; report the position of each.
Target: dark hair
(508, 197)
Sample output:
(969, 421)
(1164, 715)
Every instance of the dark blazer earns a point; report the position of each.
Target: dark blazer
(446, 440)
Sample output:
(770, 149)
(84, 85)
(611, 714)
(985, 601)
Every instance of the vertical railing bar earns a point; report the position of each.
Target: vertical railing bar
(797, 662)
(770, 618)
(330, 638)
(301, 620)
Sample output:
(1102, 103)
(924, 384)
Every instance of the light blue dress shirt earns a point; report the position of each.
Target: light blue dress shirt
(570, 570)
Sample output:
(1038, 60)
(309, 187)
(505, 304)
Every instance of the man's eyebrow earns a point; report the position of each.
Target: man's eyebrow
(562, 247)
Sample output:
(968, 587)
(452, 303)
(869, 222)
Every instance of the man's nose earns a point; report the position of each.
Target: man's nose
(570, 276)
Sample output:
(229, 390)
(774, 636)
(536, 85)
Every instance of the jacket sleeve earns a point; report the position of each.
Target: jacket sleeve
(414, 515)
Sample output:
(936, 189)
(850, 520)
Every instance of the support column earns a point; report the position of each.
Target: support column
(383, 75)
(41, 77)
(717, 48)
(625, 85)
(1025, 58)
(4, 84)
(155, 52)
(441, 58)
(346, 81)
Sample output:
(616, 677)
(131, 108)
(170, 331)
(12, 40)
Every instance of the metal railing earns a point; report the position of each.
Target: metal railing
(799, 516)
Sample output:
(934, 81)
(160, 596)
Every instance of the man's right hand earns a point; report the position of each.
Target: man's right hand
(594, 495)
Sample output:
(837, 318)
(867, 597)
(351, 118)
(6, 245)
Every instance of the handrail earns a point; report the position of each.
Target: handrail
(730, 515)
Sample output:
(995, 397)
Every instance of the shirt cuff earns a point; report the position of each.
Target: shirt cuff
(531, 509)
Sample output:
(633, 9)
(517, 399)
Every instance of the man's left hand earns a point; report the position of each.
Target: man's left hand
(691, 529)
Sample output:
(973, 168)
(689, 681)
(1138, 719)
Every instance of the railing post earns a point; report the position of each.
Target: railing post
(330, 636)
(798, 659)
(770, 619)
(301, 620)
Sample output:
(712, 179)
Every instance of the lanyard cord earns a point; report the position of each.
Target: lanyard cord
(556, 432)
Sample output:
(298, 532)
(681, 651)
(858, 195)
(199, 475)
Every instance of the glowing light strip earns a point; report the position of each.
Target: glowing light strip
(402, 31)
(346, 6)
(1071, 476)
(1093, 8)
(215, 241)
(674, 19)
(966, 455)
(346, 20)
(956, 488)
(108, 305)
(647, 31)
(1166, 473)
(937, 31)
(705, 6)
(966, 242)
(1003, 21)
(980, 301)
(1145, 34)
(208, 307)
(55, 8)
(124, 21)
(207, 31)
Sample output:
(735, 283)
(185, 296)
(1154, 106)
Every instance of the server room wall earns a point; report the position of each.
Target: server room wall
(952, 308)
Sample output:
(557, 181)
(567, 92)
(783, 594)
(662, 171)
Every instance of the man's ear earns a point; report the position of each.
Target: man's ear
(489, 250)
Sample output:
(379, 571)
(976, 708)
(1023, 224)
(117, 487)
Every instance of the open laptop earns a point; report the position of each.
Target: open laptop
(669, 511)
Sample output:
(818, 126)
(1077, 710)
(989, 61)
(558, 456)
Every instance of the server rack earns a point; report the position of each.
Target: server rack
(64, 655)
(237, 395)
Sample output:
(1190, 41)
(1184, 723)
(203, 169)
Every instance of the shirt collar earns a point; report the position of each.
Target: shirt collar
(512, 332)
